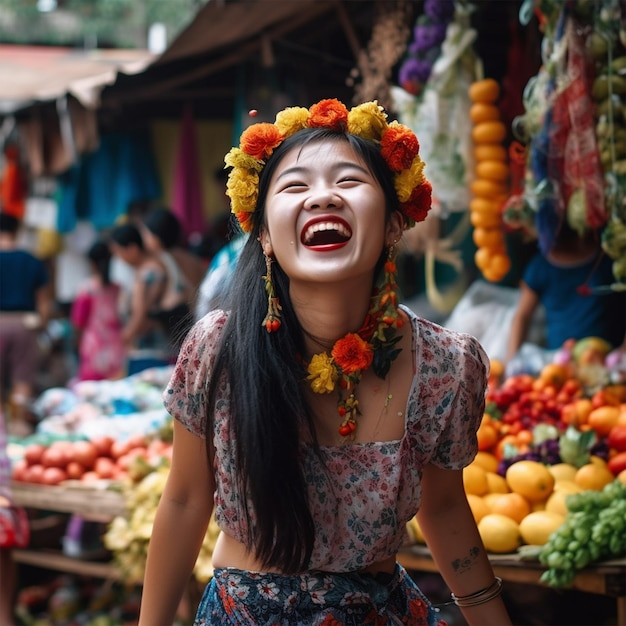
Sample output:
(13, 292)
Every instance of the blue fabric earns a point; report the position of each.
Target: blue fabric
(102, 186)
(21, 275)
(235, 597)
(570, 314)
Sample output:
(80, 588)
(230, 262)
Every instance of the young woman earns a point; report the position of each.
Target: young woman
(314, 415)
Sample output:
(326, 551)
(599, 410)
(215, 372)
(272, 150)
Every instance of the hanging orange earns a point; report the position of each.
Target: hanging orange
(483, 112)
(486, 188)
(492, 238)
(490, 152)
(493, 170)
(485, 220)
(485, 90)
(489, 132)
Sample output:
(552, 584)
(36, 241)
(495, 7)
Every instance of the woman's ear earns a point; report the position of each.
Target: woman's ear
(395, 228)
(265, 241)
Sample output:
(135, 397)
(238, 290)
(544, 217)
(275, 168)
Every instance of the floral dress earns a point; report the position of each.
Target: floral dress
(361, 495)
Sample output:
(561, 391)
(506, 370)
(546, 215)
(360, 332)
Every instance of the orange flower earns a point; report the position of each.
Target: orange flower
(259, 140)
(245, 221)
(399, 146)
(328, 114)
(352, 354)
(417, 206)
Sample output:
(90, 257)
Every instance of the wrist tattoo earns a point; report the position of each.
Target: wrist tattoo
(464, 564)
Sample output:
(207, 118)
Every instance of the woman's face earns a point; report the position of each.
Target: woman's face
(325, 215)
(150, 240)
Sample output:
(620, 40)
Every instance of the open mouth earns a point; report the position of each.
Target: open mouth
(326, 233)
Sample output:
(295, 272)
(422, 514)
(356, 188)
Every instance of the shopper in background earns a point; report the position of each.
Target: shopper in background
(146, 343)
(96, 317)
(26, 304)
(313, 414)
(161, 233)
(563, 281)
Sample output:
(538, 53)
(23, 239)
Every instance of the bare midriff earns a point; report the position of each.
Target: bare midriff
(229, 552)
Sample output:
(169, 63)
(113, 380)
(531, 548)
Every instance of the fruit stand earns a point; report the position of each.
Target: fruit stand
(607, 578)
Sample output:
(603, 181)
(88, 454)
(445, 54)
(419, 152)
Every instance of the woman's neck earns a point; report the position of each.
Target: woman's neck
(327, 312)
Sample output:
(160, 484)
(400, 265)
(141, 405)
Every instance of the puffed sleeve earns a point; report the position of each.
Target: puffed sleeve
(185, 396)
(462, 404)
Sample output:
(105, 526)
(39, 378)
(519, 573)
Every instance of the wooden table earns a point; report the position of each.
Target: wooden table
(607, 578)
(92, 503)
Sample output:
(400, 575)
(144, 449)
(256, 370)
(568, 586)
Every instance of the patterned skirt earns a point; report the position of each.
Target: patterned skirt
(235, 597)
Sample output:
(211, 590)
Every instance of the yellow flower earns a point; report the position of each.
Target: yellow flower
(242, 188)
(322, 373)
(292, 119)
(236, 157)
(367, 120)
(409, 179)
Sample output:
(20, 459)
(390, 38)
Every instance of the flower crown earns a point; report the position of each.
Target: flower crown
(398, 146)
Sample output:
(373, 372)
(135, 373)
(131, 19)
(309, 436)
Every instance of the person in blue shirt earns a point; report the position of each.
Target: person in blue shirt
(565, 282)
(25, 307)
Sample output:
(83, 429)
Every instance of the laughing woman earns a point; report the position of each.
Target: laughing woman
(314, 415)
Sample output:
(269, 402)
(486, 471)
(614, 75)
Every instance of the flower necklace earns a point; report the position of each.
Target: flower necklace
(374, 344)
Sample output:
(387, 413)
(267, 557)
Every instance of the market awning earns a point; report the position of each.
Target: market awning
(30, 74)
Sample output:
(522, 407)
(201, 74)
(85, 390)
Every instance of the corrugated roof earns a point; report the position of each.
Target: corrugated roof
(31, 74)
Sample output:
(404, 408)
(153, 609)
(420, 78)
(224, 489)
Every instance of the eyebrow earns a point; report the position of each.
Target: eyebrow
(296, 169)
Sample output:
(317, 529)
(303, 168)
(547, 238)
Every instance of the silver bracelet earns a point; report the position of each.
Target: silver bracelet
(479, 597)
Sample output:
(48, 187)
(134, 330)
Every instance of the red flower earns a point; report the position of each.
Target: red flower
(328, 114)
(399, 146)
(352, 354)
(417, 206)
(259, 140)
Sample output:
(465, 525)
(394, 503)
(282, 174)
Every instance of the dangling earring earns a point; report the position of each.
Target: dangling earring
(388, 296)
(272, 319)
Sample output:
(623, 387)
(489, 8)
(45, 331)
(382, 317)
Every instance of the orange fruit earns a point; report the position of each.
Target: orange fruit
(490, 152)
(593, 476)
(500, 263)
(496, 483)
(481, 258)
(492, 238)
(499, 533)
(492, 170)
(483, 112)
(562, 471)
(475, 480)
(485, 220)
(512, 505)
(487, 436)
(603, 419)
(478, 505)
(531, 479)
(537, 527)
(486, 460)
(554, 374)
(489, 132)
(485, 90)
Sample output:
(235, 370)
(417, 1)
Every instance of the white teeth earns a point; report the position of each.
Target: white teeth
(321, 226)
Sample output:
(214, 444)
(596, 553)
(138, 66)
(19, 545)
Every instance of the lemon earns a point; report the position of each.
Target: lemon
(562, 471)
(499, 533)
(536, 527)
(531, 479)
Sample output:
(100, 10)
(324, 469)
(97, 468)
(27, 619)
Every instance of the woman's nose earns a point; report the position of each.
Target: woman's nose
(323, 197)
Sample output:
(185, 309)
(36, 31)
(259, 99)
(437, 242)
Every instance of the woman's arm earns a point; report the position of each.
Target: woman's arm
(179, 529)
(447, 523)
(526, 305)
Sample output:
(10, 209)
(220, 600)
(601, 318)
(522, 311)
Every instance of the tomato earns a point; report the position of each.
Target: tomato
(74, 470)
(617, 463)
(617, 438)
(33, 453)
(104, 467)
(53, 476)
(103, 444)
(54, 456)
(85, 453)
(18, 470)
(34, 473)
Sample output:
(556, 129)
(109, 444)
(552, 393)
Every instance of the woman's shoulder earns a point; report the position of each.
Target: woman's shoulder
(433, 341)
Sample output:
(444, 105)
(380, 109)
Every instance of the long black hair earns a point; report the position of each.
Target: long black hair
(267, 404)
(100, 256)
